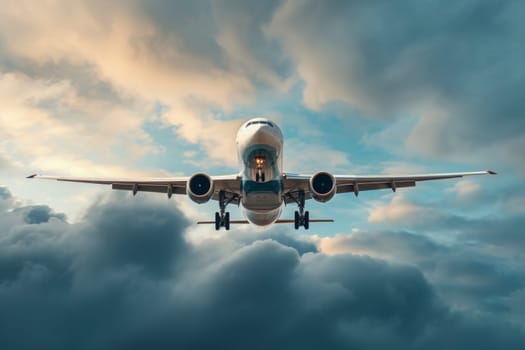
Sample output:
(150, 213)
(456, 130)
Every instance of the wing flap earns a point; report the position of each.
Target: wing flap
(368, 186)
(149, 188)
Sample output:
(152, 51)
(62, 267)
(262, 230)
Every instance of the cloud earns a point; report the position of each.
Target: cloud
(499, 232)
(404, 247)
(100, 71)
(6, 199)
(453, 67)
(242, 36)
(48, 125)
(97, 72)
(466, 189)
(469, 277)
(126, 276)
(216, 137)
(401, 210)
(299, 155)
(4, 163)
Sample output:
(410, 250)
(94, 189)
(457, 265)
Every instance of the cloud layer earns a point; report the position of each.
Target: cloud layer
(127, 276)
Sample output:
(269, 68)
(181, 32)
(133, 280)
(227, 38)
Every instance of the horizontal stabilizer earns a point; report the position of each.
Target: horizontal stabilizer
(231, 222)
(286, 221)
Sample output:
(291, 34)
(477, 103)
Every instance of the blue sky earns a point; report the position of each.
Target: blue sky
(159, 88)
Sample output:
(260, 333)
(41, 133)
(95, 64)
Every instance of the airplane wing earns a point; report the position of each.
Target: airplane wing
(167, 185)
(357, 183)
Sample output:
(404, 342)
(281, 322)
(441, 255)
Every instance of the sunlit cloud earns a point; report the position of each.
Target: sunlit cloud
(399, 210)
(465, 189)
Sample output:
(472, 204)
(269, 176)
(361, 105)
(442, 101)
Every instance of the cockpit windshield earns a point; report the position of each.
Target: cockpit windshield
(264, 122)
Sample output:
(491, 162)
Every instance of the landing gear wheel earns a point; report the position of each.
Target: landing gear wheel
(222, 218)
(306, 222)
(259, 177)
(301, 217)
(227, 221)
(217, 221)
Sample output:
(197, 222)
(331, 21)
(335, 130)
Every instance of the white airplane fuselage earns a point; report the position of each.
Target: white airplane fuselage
(260, 150)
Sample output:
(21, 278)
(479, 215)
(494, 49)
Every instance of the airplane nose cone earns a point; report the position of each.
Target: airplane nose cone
(261, 135)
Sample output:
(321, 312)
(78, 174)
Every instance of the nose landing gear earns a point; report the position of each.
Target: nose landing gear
(259, 177)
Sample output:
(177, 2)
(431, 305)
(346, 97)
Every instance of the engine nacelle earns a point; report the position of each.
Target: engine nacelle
(200, 188)
(322, 186)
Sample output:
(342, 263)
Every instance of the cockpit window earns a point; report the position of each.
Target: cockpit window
(259, 122)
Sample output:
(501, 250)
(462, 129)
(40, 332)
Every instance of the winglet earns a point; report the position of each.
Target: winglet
(492, 172)
(31, 176)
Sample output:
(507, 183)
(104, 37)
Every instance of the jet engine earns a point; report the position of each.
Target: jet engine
(200, 188)
(322, 186)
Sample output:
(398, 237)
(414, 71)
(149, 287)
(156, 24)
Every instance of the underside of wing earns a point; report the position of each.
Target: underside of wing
(166, 185)
(357, 184)
(295, 183)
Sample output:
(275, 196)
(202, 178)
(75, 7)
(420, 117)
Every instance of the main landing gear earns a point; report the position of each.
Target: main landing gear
(301, 217)
(222, 218)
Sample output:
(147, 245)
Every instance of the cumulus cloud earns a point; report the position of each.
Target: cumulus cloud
(95, 72)
(49, 125)
(126, 276)
(456, 67)
(390, 245)
(470, 277)
(466, 189)
(401, 210)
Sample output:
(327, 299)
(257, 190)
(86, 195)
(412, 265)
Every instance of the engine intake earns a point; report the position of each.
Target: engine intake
(322, 186)
(200, 188)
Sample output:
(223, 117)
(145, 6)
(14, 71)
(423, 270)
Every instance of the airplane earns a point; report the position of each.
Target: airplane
(262, 188)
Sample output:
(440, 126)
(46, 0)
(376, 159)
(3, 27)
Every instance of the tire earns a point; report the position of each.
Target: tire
(217, 221)
(227, 221)
(306, 220)
(296, 220)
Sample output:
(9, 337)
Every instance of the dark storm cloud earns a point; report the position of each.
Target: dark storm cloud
(458, 63)
(506, 233)
(281, 236)
(470, 275)
(409, 50)
(38, 214)
(125, 277)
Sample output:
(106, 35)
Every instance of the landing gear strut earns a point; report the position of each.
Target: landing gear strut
(222, 218)
(301, 217)
(259, 177)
